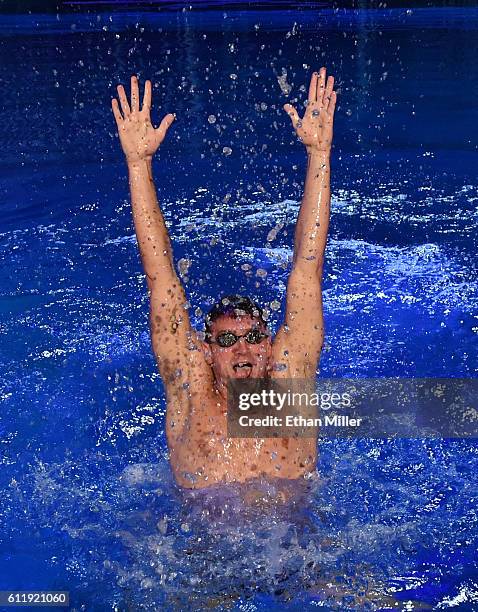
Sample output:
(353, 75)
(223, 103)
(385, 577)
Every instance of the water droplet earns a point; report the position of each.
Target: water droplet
(272, 235)
(283, 84)
(227, 150)
(212, 119)
(183, 266)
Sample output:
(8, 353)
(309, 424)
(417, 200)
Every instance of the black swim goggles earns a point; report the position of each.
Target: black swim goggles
(227, 338)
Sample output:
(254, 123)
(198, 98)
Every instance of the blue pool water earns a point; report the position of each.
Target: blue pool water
(88, 503)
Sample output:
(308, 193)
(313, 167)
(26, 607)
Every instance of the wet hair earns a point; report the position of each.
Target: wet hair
(233, 306)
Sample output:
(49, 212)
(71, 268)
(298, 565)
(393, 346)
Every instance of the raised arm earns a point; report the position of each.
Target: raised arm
(140, 140)
(174, 342)
(299, 341)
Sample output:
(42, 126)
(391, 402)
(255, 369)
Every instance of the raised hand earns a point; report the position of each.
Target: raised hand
(315, 129)
(139, 139)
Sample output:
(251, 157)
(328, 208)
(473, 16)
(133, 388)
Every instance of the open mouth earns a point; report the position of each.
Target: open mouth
(243, 368)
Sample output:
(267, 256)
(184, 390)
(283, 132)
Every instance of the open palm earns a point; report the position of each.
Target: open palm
(315, 129)
(139, 139)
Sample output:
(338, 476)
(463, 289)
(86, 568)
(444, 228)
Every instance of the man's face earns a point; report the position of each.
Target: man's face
(242, 359)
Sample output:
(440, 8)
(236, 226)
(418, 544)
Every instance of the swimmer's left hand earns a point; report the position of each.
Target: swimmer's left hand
(315, 129)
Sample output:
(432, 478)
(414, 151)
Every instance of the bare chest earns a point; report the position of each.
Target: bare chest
(206, 454)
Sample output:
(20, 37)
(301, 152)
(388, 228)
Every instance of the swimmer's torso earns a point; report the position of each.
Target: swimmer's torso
(203, 454)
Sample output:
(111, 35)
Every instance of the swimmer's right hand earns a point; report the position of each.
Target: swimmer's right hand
(139, 139)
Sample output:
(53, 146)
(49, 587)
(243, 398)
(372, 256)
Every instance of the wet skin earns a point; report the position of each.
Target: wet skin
(195, 373)
(203, 454)
(226, 362)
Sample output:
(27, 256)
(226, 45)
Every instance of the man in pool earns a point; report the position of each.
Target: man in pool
(237, 343)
